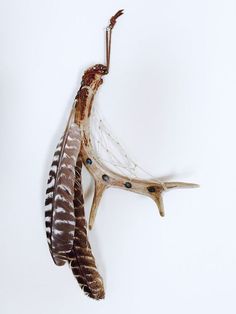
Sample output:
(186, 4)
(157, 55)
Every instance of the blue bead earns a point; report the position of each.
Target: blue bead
(151, 189)
(89, 161)
(105, 177)
(128, 185)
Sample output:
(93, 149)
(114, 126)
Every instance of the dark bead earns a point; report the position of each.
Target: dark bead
(89, 161)
(105, 177)
(151, 189)
(128, 185)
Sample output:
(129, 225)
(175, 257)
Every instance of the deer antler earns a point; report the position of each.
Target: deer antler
(103, 176)
(66, 226)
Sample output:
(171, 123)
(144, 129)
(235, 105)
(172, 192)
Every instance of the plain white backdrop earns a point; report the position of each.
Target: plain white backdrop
(170, 98)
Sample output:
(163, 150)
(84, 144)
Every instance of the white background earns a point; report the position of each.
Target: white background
(170, 98)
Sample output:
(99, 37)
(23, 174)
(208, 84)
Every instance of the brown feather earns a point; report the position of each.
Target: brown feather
(59, 212)
(82, 260)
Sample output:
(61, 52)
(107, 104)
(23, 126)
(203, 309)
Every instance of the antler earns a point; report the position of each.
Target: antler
(66, 226)
(105, 178)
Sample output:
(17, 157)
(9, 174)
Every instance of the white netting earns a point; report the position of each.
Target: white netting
(109, 150)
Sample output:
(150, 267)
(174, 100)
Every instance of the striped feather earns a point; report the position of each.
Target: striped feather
(82, 261)
(59, 211)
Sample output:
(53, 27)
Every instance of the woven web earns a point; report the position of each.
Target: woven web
(109, 150)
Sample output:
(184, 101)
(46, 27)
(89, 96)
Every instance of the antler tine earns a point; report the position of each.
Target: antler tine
(180, 185)
(159, 201)
(99, 189)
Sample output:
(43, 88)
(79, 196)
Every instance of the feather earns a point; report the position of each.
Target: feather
(59, 211)
(81, 259)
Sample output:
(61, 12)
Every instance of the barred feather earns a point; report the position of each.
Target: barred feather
(59, 211)
(82, 261)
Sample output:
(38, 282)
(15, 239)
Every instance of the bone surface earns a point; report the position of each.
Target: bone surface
(103, 176)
